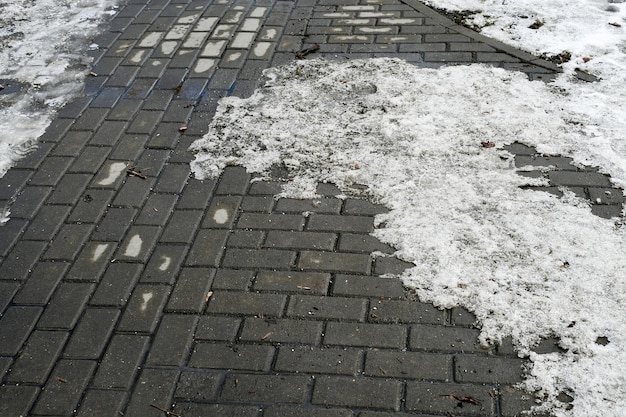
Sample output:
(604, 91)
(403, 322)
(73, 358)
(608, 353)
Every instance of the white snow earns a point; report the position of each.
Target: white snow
(528, 264)
(42, 48)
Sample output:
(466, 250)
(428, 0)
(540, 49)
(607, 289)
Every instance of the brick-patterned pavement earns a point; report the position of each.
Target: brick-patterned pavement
(163, 295)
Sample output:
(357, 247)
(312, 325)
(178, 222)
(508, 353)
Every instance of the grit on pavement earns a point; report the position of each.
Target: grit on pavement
(129, 288)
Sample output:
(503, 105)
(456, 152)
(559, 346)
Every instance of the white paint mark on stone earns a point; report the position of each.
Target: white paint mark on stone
(195, 40)
(206, 24)
(178, 32)
(243, 40)
(236, 17)
(376, 14)
(99, 251)
(357, 8)
(352, 38)
(134, 247)
(188, 19)
(115, 169)
(138, 56)
(223, 31)
(156, 63)
(204, 65)
(398, 38)
(335, 15)
(151, 40)
(233, 56)
(165, 264)
(213, 48)
(375, 30)
(147, 296)
(258, 12)
(220, 216)
(261, 49)
(269, 34)
(168, 47)
(397, 21)
(251, 25)
(350, 22)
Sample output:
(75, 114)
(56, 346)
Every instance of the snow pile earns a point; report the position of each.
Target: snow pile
(42, 46)
(526, 263)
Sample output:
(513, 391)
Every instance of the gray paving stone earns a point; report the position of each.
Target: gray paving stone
(109, 133)
(102, 403)
(191, 290)
(338, 308)
(164, 264)
(121, 361)
(222, 212)
(261, 258)
(281, 331)
(263, 204)
(283, 411)
(16, 400)
(444, 338)
(357, 392)
(232, 279)
(439, 398)
(352, 285)
(29, 201)
(20, 261)
(234, 180)
(252, 239)
(196, 386)
(68, 242)
(265, 388)
(64, 389)
(323, 222)
(157, 209)
(10, 234)
(114, 224)
(92, 333)
(38, 357)
(134, 191)
(7, 291)
(46, 223)
(173, 339)
(182, 226)
(90, 119)
(390, 265)
(271, 221)
(316, 360)
(252, 304)
(228, 356)
(41, 283)
(91, 207)
(353, 242)
(145, 122)
(144, 308)
(217, 328)
(116, 285)
(15, 327)
(138, 244)
(173, 179)
(408, 365)
(155, 386)
(300, 240)
(487, 369)
(293, 281)
(66, 306)
(365, 335)
(579, 178)
(207, 248)
(190, 409)
(196, 194)
(405, 311)
(90, 160)
(335, 262)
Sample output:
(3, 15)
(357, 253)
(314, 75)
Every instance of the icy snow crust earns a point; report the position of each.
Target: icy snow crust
(42, 45)
(528, 264)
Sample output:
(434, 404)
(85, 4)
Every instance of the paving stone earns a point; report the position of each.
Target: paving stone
(66, 305)
(322, 205)
(171, 344)
(102, 403)
(90, 119)
(486, 369)
(191, 290)
(512, 400)
(252, 239)
(263, 204)
(109, 133)
(7, 290)
(207, 248)
(405, 311)
(134, 192)
(357, 392)
(15, 326)
(46, 223)
(65, 387)
(443, 338)
(605, 195)
(111, 175)
(281, 331)
(352, 285)
(300, 240)
(198, 386)
(121, 361)
(164, 264)
(316, 360)
(293, 281)
(16, 400)
(196, 194)
(68, 242)
(10, 234)
(92, 333)
(144, 308)
(157, 209)
(271, 221)
(114, 224)
(155, 386)
(182, 226)
(338, 308)
(408, 365)
(234, 180)
(579, 178)
(283, 411)
(116, 285)
(228, 356)
(251, 304)
(41, 283)
(460, 316)
(217, 328)
(20, 261)
(324, 222)
(91, 207)
(232, 279)
(366, 335)
(262, 258)
(222, 212)
(439, 398)
(173, 179)
(72, 144)
(390, 265)
(607, 211)
(265, 388)
(37, 357)
(336, 262)
(29, 201)
(189, 409)
(352, 242)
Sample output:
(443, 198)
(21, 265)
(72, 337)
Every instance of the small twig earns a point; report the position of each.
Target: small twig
(135, 173)
(301, 54)
(169, 413)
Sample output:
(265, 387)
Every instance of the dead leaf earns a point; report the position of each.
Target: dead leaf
(488, 144)
(617, 25)
(62, 380)
(93, 74)
(182, 128)
(586, 59)
(303, 53)
(300, 287)
(208, 295)
(268, 334)
(464, 399)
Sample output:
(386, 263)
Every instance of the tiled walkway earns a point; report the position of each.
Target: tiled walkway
(129, 288)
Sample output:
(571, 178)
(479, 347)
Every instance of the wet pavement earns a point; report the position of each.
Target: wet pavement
(130, 288)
